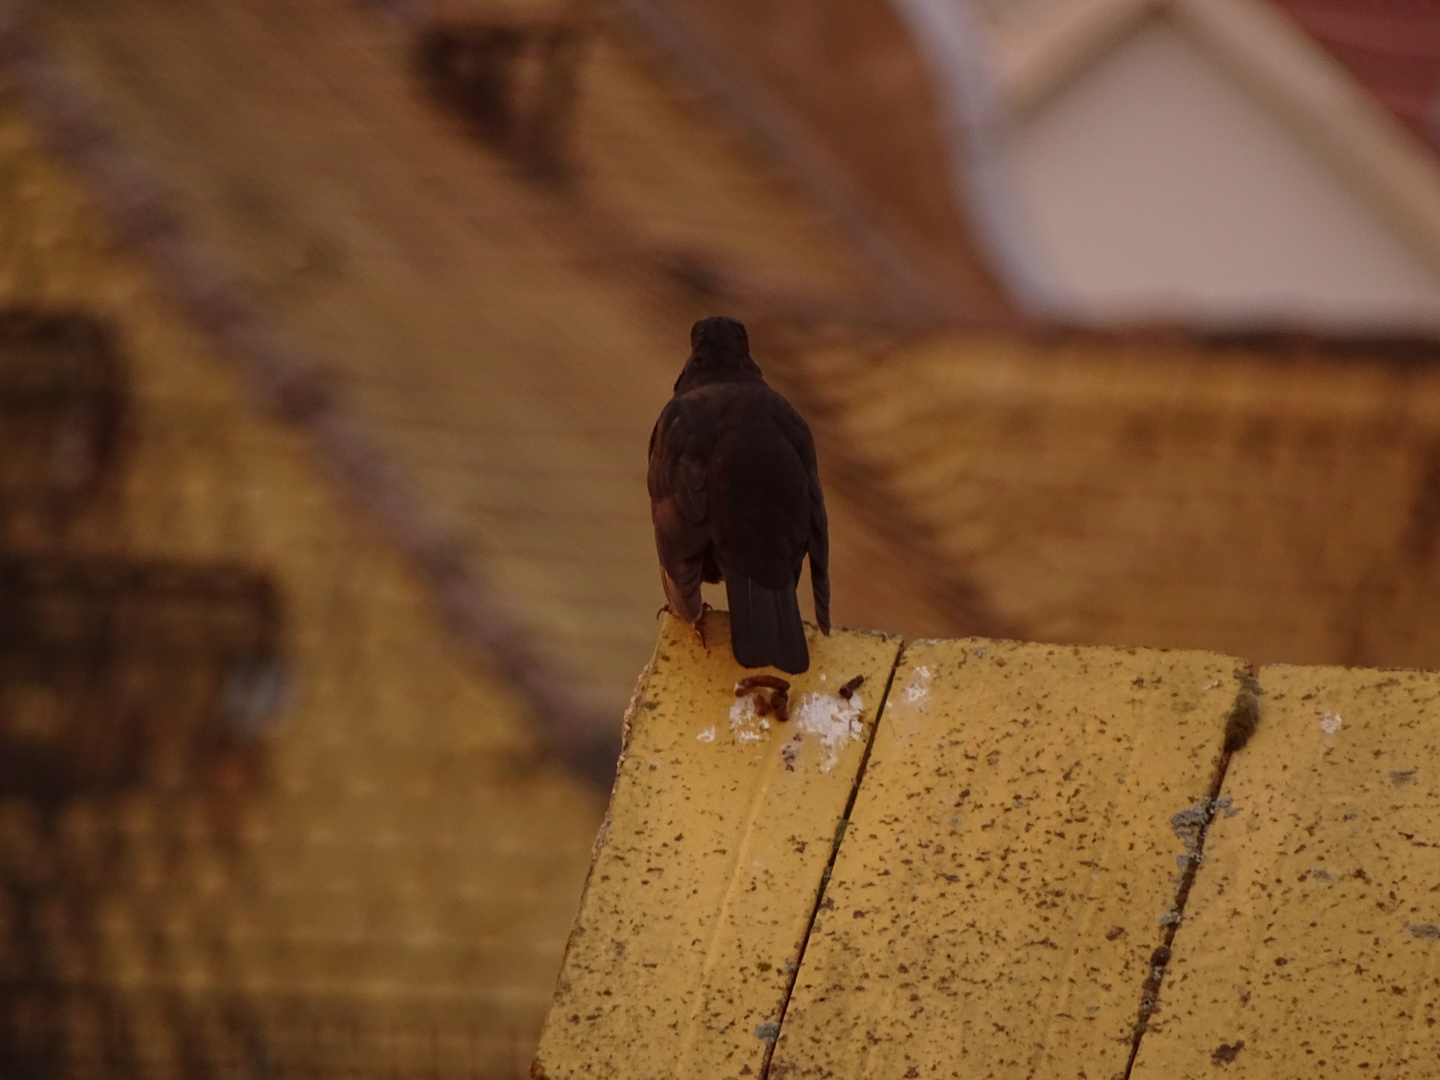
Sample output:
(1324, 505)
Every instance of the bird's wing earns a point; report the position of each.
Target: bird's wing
(817, 542)
(819, 553)
(678, 507)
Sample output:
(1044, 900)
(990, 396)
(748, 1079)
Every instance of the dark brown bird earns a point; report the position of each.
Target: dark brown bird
(735, 496)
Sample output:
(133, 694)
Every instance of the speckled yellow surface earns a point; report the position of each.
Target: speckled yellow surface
(1060, 862)
(1311, 942)
(1008, 863)
(709, 864)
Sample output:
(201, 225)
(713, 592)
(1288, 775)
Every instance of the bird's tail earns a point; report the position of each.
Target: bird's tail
(765, 626)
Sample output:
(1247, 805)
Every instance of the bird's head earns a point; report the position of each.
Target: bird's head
(719, 352)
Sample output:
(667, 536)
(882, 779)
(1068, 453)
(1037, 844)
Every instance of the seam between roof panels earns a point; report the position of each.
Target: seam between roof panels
(840, 831)
(1239, 726)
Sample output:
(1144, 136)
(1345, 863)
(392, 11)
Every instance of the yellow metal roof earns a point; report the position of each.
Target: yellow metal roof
(1311, 943)
(1009, 862)
(709, 863)
(1060, 861)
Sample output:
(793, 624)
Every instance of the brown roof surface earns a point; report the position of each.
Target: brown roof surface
(387, 888)
(508, 344)
(1391, 46)
(858, 99)
(1274, 501)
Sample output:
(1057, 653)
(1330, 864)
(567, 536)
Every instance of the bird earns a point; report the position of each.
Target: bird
(735, 497)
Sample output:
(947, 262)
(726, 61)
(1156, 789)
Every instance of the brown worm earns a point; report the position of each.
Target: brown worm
(772, 682)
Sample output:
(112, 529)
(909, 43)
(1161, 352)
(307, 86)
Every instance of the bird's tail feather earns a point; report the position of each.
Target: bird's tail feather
(765, 626)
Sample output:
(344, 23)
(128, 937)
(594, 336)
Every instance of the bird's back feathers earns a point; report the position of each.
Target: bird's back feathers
(735, 493)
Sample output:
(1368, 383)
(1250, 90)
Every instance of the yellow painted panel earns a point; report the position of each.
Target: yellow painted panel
(1009, 863)
(1311, 941)
(709, 864)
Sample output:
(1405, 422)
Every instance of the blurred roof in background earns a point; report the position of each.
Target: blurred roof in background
(1231, 446)
(505, 325)
(1210, 163)
(1104, 162)
(260, 812)
(505, 339)
(1279, 499)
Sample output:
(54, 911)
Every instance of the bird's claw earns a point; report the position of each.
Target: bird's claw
(695, 627)
(698, 626)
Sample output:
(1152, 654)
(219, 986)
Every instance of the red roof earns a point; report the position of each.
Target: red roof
(1391, 46)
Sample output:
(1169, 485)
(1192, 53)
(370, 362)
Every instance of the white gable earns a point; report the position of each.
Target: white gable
(1158, 186)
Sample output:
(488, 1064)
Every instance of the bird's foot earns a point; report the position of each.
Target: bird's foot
(698, 626)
